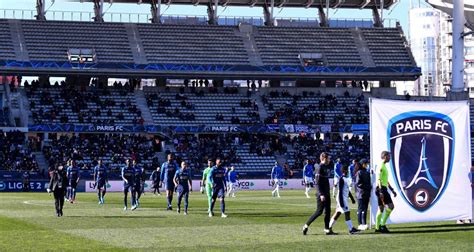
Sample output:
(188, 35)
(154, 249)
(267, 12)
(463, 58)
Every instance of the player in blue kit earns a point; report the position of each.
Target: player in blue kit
(168, 170)
(233, 176)
(101, 180)
(218, 185)
(128, 177)
(183, 183)
(337, 175)
(73, 176)
(308, 175)
(276, 176)
(137, 184)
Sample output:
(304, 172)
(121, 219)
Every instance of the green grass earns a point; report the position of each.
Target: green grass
(256, 222)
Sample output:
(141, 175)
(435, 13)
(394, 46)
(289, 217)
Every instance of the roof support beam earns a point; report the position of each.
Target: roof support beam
(376, 16)
(323, 21)
(155, 11)
(99, 11)
(268, 13)
(212, 12)
(40, 10)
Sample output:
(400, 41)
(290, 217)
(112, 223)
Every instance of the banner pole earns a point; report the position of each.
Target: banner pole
(371, 160)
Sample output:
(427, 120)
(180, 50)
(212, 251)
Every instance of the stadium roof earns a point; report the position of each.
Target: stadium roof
(447, 7)
(353, 4)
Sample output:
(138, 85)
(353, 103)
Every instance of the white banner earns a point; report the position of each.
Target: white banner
(430, 158)
(243, 184)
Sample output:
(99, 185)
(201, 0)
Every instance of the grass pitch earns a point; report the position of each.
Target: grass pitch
(256, 222)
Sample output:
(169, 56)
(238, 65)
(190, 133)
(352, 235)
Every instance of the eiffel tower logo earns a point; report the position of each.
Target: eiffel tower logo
(422, 169)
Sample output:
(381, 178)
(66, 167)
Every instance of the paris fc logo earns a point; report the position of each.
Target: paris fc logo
(422, 147)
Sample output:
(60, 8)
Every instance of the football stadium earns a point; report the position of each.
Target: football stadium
(348, 129)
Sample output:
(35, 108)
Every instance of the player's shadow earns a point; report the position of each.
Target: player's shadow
(437, 226)
(116, 216)
(275, 215)
(428, 231)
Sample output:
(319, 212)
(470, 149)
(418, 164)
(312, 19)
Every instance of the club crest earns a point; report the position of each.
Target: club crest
(422, 147)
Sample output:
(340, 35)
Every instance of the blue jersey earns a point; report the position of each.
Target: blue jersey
(233, 176)
(217, 177)
(138, 174)
(308, 170)
(183, 177)
(100, 173)
(168, 170)
(129, 174)
(277, 172)
(351, 171)
(227, 175)
(338, 170)
(72, 173)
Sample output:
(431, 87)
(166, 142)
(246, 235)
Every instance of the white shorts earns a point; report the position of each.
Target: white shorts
(276, 182)
(308, 180)
(342, 209)
(231, 185)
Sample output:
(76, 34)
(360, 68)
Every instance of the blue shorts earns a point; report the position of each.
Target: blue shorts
(127, 187)
(169, 185)
(101, 183)
(73, 183)
(218, 192)
(182, 189)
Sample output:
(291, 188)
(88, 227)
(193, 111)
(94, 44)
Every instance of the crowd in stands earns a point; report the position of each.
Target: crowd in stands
(15, 152)
(187, 103)
(112, 149)
(313, 108)
(197, 150)
(63, 103)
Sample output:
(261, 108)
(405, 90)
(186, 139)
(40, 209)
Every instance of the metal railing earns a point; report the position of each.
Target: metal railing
(184, 19)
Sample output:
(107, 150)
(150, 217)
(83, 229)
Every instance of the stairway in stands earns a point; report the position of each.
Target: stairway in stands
(41, 160)
(143, 106)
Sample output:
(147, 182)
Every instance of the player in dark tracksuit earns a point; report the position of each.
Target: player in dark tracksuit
(183, 183)
(101, 179)
(73, 177)
(363, 185)
(128, 176)
(323, 199)
(155, 178)
(137, 188)
(219, 187)
(168, 170)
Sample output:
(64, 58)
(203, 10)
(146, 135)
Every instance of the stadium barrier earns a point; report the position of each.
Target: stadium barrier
(244, 185)
(17, 185)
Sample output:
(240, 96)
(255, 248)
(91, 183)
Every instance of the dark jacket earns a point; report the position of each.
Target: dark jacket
(322, 179)
(58, 180)
(363, 184)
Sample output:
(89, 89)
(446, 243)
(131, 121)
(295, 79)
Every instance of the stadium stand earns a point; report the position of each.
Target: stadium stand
(16, 152)
(66, 104)
(249, 153)
(282, 45)
(223, 107)
(50, 41)
(6, 46)
(185, 44)
(313, 108)
(387, 46)
(112, 149)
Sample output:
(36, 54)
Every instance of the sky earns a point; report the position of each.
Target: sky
(398, 12)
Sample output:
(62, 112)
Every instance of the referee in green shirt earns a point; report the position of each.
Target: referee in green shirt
(384, 200)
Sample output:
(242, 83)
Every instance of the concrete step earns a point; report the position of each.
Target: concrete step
(143, 106)
(41, 160)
